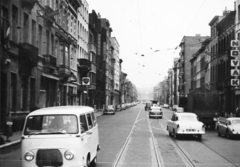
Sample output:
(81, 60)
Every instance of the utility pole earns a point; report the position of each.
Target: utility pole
(1, 64)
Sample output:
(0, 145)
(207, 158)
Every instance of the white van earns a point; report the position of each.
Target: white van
(65, 136)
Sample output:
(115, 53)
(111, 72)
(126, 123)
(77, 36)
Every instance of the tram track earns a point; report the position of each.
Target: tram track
(184, 155)
(158, 159)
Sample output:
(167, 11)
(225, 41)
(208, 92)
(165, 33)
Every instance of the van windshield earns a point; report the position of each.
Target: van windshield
(51, 124)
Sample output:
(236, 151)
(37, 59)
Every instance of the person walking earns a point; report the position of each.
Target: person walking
(237, 112)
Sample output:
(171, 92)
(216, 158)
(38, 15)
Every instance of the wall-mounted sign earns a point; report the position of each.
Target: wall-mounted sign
(235, 72)
(235, 82)
(235, 63)
(85, 81)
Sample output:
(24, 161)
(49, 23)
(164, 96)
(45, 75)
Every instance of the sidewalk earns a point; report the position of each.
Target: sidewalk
(16, 137)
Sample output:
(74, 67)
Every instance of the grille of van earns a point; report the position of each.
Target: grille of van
(49, 157)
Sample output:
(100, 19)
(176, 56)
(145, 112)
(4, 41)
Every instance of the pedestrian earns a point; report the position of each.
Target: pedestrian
(237, 112)
(8, 128)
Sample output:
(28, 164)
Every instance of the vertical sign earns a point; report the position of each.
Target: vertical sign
(235, 63)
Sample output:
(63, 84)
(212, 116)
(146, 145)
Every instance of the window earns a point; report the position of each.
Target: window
(14, 23)
(48, 42)
(238, 13)
(25, 27)
(52, 45)
(13, 92)
(34, 32)
(40, 39)
(94, 119)
(90, 123)
(83, 121)
(24, 93)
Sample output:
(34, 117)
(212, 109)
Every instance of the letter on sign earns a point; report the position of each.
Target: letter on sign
(234, 82)
(235, 72)
(234, 43)
(234, 63)
(234, 53)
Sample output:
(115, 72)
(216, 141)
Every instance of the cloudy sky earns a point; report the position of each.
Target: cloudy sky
(154, 28)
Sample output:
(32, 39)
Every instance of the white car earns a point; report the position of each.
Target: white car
(228, 126)
(155, 112)
(165, 105)
(185, 124)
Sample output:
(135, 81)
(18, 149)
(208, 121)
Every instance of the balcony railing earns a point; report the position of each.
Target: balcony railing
(29, 3)
(28, 57)
(64, 71)
(50, 63)
(84, 64)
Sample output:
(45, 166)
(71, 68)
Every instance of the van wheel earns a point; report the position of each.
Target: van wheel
(94, 162)
(88, 162)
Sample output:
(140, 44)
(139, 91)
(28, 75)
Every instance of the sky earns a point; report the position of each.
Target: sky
(148, 32)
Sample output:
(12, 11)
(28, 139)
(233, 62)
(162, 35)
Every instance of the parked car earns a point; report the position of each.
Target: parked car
(165, 105)
(228, 126)
(174, 107)
(179, 109)
(185, 124)
(155, 112)
(64, 136)
(110, 109)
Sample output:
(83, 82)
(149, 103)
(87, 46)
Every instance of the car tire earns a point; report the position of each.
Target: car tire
(169, 133)
(227, 135)
(175, 135)
(94, 162)
(88, 162)
(199, 137)
(219, 134)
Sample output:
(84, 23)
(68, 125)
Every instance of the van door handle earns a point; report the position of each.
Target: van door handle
(89, 132)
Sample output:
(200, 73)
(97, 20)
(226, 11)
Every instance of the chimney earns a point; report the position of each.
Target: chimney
(99, 16)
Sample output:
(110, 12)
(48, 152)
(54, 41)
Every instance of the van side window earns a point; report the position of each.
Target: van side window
(90, 123)
(83, 121)
(93, 119)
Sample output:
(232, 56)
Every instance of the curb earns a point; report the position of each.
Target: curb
(19, 141)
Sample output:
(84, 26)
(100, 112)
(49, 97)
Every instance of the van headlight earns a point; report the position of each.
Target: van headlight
(29, 156)
(68, 155)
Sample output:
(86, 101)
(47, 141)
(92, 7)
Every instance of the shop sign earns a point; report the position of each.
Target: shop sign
(235, 63)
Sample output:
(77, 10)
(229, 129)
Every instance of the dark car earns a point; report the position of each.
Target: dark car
(148, 106)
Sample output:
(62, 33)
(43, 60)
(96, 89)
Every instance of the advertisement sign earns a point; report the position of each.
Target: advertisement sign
(85, 80)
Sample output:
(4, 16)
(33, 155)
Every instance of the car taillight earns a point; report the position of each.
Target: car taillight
(203, 127)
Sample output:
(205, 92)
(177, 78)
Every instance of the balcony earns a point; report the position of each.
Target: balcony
(76, 3)
(50, 63)
(84, 64)
(29, 3)
(28, 57)
(92, 48)
(64, 71)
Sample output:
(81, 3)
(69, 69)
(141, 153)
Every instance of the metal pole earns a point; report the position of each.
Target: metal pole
(0, 63)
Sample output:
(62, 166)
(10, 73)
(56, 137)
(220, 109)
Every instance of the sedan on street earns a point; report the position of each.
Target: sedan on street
(228, 127)
(155, 112)
(109, 110)
(185, 124)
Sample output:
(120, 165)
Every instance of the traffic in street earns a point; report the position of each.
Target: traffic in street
(131, 138)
